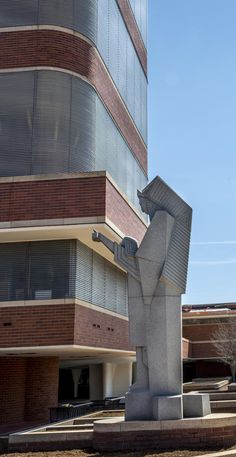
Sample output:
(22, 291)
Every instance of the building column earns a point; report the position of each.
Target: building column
(108, 371)
(95, 382)
(76, 372)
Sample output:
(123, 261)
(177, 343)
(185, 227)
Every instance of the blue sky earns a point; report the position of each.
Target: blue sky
(192, 131)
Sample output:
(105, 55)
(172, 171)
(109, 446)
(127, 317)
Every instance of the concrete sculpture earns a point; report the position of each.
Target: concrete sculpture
(157, 272)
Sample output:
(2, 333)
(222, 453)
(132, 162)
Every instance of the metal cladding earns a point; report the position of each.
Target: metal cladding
(44, 270)
(159, 196)
(101, 22)
(139, 7)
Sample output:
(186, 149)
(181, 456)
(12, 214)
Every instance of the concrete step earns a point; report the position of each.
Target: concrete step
(223, 405)
(81, 427)
(90, 420)
(222, 396)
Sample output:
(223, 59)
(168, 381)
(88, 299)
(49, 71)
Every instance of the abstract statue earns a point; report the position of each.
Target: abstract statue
(157, 272)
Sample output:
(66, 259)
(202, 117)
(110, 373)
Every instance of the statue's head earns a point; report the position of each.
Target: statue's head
(130, 245)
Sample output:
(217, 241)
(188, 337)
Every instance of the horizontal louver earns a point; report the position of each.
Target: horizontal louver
(100, 282)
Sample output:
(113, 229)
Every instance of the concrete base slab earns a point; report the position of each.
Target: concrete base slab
(167, 407)
(196, 405)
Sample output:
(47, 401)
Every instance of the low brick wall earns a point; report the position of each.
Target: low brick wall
(176, 439)
(216, 431)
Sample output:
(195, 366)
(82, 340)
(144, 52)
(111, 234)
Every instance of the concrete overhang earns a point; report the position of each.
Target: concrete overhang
(71, 354)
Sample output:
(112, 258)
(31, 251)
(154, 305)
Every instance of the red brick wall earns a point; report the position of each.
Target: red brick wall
(200, 332)
(65, 198)
(134, 32)
(94, 328)
(61, 324)
(12, 389)
(59, 198)
(124, 218)
(28, 387)
(37, 325)
(41, 387)
(62, 50)
(200, 335)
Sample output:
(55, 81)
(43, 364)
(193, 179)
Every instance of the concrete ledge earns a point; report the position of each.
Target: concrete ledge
(54, 440)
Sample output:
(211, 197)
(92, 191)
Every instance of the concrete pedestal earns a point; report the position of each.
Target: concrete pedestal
(167, 407)
(138, 405)
(196, 405)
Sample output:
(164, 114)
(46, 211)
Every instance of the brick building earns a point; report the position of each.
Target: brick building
(199, 324)
(73, 79)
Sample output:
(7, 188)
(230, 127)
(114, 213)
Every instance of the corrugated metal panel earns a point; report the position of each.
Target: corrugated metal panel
(49, 269)
(113, 27)
(13, 284)
(85, 18)
(99, 282)
(82, 128)
(18, 12)
(16, 120)
(122, 294)
(50, 150)
(110, 287)
(79, 15)
(122, 58)
(56, 12)
(36, 271)
(139, 8)
(103, 30)
(117, 50)
(84, 272)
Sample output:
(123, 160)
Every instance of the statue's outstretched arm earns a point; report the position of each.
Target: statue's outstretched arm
(121, 257)
(99, 237)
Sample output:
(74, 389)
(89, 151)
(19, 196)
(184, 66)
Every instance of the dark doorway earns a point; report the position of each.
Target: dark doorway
(66, 385)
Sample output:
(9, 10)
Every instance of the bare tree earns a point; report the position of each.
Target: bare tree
(224, 342)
